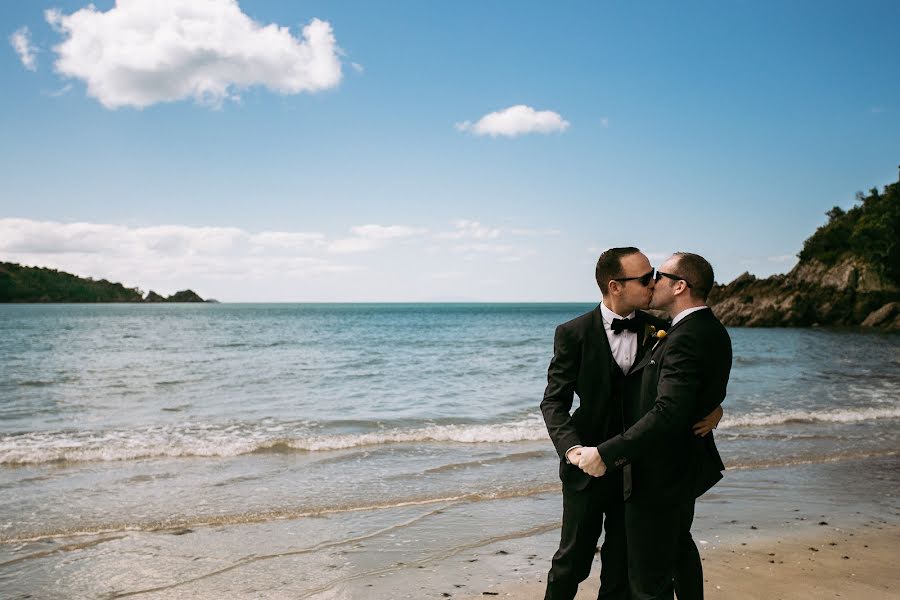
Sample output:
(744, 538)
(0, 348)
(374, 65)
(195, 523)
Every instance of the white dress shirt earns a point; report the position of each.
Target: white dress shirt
(685, 313)
(624, 344)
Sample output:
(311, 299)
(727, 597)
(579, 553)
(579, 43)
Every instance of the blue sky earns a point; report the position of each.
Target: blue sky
(723, 128)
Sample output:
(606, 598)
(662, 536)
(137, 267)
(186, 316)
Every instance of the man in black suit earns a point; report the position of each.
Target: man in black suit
(684, 376)
(593, 357)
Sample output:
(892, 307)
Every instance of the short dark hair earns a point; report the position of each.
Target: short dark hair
(697, 271)
(609, 266)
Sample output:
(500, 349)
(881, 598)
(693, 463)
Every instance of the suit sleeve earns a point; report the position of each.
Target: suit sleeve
(678, 388)
(562, 376)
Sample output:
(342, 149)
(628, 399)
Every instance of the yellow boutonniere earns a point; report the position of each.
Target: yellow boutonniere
(660, 336)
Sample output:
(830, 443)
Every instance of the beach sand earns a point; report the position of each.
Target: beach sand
(830, 563)
(829, 530)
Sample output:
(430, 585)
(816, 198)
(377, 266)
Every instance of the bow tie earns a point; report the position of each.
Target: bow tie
(620, 325)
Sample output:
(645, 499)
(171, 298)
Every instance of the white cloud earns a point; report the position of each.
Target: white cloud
(382, 232)
(604, 122)
(21, 43)
(391, 263)
(372, 237)
(474, 230)
(486, 248)
(534, 232)
(357, 67)
(166, 257)
(287, 239)
(514, 121)
(471, 230)
(140, 53)
(477, 240)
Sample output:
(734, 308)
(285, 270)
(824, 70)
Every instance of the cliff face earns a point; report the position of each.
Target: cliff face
(848, 293)
(847, 275)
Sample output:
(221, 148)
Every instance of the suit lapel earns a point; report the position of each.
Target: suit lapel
(645, 342)
(648, 349)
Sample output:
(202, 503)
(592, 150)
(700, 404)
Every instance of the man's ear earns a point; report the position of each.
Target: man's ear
(613, 286)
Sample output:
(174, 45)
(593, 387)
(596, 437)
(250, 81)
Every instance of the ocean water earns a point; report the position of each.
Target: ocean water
(130, 419)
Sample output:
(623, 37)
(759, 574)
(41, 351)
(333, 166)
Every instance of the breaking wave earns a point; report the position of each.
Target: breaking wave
(199, 440)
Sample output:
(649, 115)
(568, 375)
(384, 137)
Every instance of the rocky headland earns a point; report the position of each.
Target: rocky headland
(848, 274)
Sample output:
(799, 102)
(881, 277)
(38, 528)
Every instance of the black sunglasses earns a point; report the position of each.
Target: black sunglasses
(644, 279)
(660, 275)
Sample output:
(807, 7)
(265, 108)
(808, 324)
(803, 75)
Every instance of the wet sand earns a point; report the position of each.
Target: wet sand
(769, 532)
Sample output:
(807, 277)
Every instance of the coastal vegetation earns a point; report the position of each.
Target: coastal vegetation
(848, 274)
(19, 283)
(870, 231)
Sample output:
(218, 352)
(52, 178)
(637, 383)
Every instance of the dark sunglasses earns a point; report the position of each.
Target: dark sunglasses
(660, 275)
(644, 279)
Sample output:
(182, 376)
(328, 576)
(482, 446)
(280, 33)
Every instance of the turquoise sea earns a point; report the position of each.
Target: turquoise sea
(123, 420)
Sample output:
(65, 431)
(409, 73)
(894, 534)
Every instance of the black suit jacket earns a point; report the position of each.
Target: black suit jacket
(684, 379)
(582, 364)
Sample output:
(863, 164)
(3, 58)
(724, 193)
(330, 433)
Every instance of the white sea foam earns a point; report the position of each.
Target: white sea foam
(235, 440)
(198, 440)
(763, 419)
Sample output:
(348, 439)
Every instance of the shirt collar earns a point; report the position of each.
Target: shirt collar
(609, 315)
(685, 313)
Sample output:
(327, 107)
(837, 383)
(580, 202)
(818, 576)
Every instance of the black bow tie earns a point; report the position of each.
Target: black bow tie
(620, 325)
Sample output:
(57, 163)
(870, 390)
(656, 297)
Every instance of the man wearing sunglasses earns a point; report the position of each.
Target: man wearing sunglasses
(598, 357)
(683, 377)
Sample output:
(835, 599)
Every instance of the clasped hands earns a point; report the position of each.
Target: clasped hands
(587, 458)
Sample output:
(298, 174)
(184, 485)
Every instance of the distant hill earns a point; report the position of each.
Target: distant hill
(848, 274)
(36, 284)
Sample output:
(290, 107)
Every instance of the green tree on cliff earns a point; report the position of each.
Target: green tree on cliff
(870, 230)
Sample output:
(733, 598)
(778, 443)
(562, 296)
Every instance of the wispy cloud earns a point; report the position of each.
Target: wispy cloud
(21, 43)
(534, 232)
(515, 121)
(141, 53)
(503, 252)
(287, 239)
(372, 237)
(474, 230)
(474, 239)
(59, 92)
(470, 229)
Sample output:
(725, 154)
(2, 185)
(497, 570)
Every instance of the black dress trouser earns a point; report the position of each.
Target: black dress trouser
(662, 555)
(584, 514)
